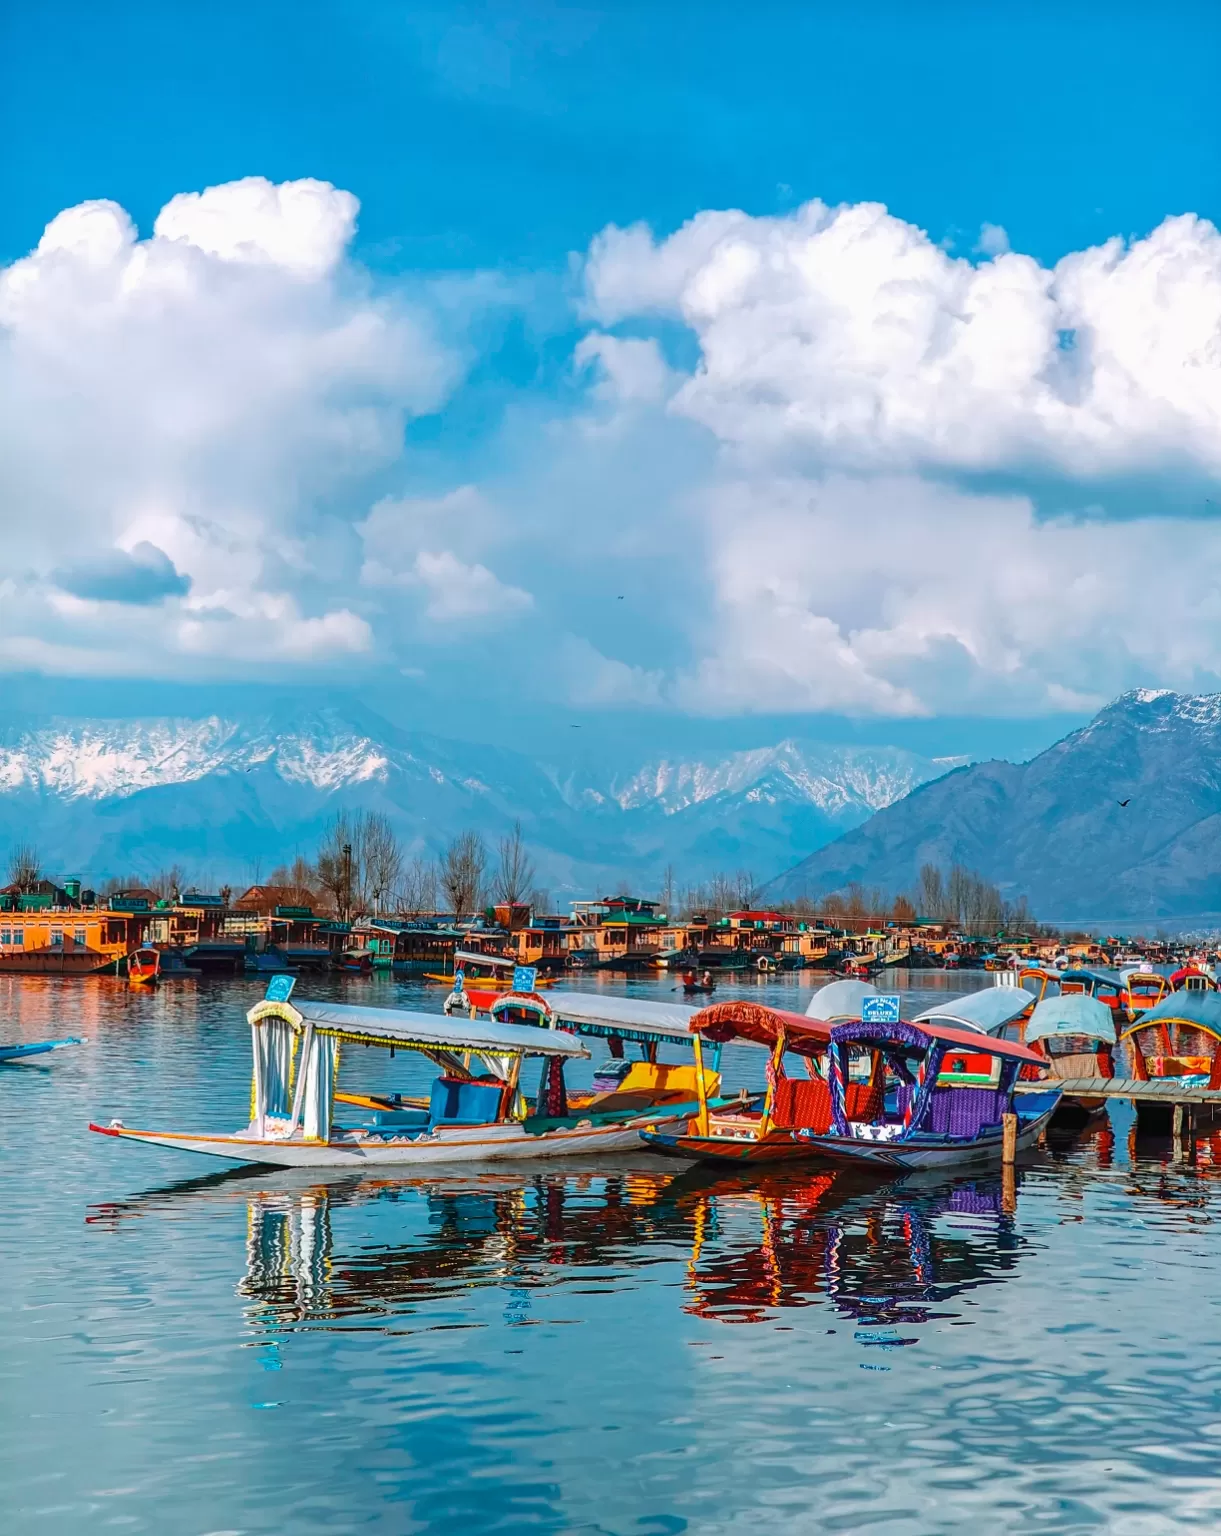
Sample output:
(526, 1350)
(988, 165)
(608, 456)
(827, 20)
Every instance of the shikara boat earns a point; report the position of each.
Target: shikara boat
(38, 1048)
(475, 1110)
(1180, 1037)
(952, 1088)
(1077, 1036)
(144, 967)
(1142, 990)
(1107, 986)
(997, 1011)
(743, 1133)
(645, 1022)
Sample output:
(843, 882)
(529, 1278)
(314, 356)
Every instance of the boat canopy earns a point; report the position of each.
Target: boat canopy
(987, 1010)
(740, 1019)
(473, 957)
(840, 1000)
(423, 1031)
(641, 1019)
(1092, 978)
(929, 1032)
(1074, 1014)
(1198, 1010)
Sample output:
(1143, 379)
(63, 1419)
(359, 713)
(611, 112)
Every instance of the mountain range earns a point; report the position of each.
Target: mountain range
(1120, 820)
(227, 797)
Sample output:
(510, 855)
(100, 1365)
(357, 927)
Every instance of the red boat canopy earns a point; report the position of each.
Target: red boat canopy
(739, 1019)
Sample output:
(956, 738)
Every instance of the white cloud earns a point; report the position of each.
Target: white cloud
(848, 333)
(302, 226)
(458, 592)
(223, 393)
(895, 596)
(629, 368)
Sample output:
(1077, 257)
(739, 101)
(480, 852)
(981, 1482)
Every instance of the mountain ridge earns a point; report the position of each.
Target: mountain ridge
(1053, 829)
(117, 794)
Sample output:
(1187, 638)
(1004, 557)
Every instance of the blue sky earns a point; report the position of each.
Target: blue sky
(565, 436)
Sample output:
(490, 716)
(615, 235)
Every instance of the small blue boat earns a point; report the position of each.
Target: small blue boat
(37, 1048)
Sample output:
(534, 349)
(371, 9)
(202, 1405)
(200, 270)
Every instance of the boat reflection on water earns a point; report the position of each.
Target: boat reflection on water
(886, 1256)
(396, 1251)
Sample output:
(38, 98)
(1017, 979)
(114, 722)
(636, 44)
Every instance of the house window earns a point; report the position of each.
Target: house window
(57, 936)
(18, 937)
(78, 936)
(6, 936)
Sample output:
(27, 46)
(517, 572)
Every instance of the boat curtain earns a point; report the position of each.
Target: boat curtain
(273, 1063)
(320, 1067)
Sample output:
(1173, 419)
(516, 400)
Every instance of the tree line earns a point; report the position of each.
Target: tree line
(361, 867)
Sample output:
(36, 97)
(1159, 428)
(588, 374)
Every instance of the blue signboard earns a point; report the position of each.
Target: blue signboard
(883, 1009)
(280, 988)
(524, 977)
(459, 980)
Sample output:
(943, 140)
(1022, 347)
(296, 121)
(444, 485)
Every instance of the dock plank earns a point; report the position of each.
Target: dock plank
(1163, 1091)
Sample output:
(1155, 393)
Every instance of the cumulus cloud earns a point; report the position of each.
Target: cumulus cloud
(847, 333)
(223, 393)
(859, 385)
(768, 480)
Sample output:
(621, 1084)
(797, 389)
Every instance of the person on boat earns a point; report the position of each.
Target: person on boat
(688, 978)
(707, 982)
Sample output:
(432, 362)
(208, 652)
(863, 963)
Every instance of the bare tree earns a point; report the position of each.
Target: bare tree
(298, 881)
(335, 863)
(169, 883)
(514, 868)
(540, 900)
(462, 869)
(667, 890)
(380, 858)
(417, 891)
(24, 868)
(930, 895)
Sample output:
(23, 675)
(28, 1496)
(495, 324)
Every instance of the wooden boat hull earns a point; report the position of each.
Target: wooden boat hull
(789, 1146)
(776, 1147)
(449, 1144)
(933, 1152)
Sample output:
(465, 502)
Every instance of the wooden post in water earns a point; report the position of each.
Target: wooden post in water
(1009, 1189)
(1009, 1138)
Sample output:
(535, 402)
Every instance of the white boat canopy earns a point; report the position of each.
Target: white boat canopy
(840, 1000)
(1076, 1013)
(424, 1031)
(596, 1013)
(987, 1010)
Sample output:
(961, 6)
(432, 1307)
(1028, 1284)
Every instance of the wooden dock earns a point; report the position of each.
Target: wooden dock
(1168, 1091)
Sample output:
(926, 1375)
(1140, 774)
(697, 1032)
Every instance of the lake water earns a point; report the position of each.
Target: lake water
(628, 1349)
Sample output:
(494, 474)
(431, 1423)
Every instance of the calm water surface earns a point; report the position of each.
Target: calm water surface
(626, 1349)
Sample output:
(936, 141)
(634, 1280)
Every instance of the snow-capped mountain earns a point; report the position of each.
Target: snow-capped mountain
(1119, 821)
(227, 795)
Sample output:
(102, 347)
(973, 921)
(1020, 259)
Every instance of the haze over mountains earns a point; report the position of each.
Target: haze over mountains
(1054, 829)
(229, 796)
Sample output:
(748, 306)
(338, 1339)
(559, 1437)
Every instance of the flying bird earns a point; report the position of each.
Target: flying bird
(619, 599)
(1128, 801)
(574, 727)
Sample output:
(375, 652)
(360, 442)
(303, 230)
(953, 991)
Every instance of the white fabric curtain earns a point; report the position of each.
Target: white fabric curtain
(273, 1063)
(320, 1067)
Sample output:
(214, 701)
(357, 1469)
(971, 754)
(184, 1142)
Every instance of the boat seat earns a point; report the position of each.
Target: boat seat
(400, 1117)
(802, 1104)
(455, 1101)
(964, 1111)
